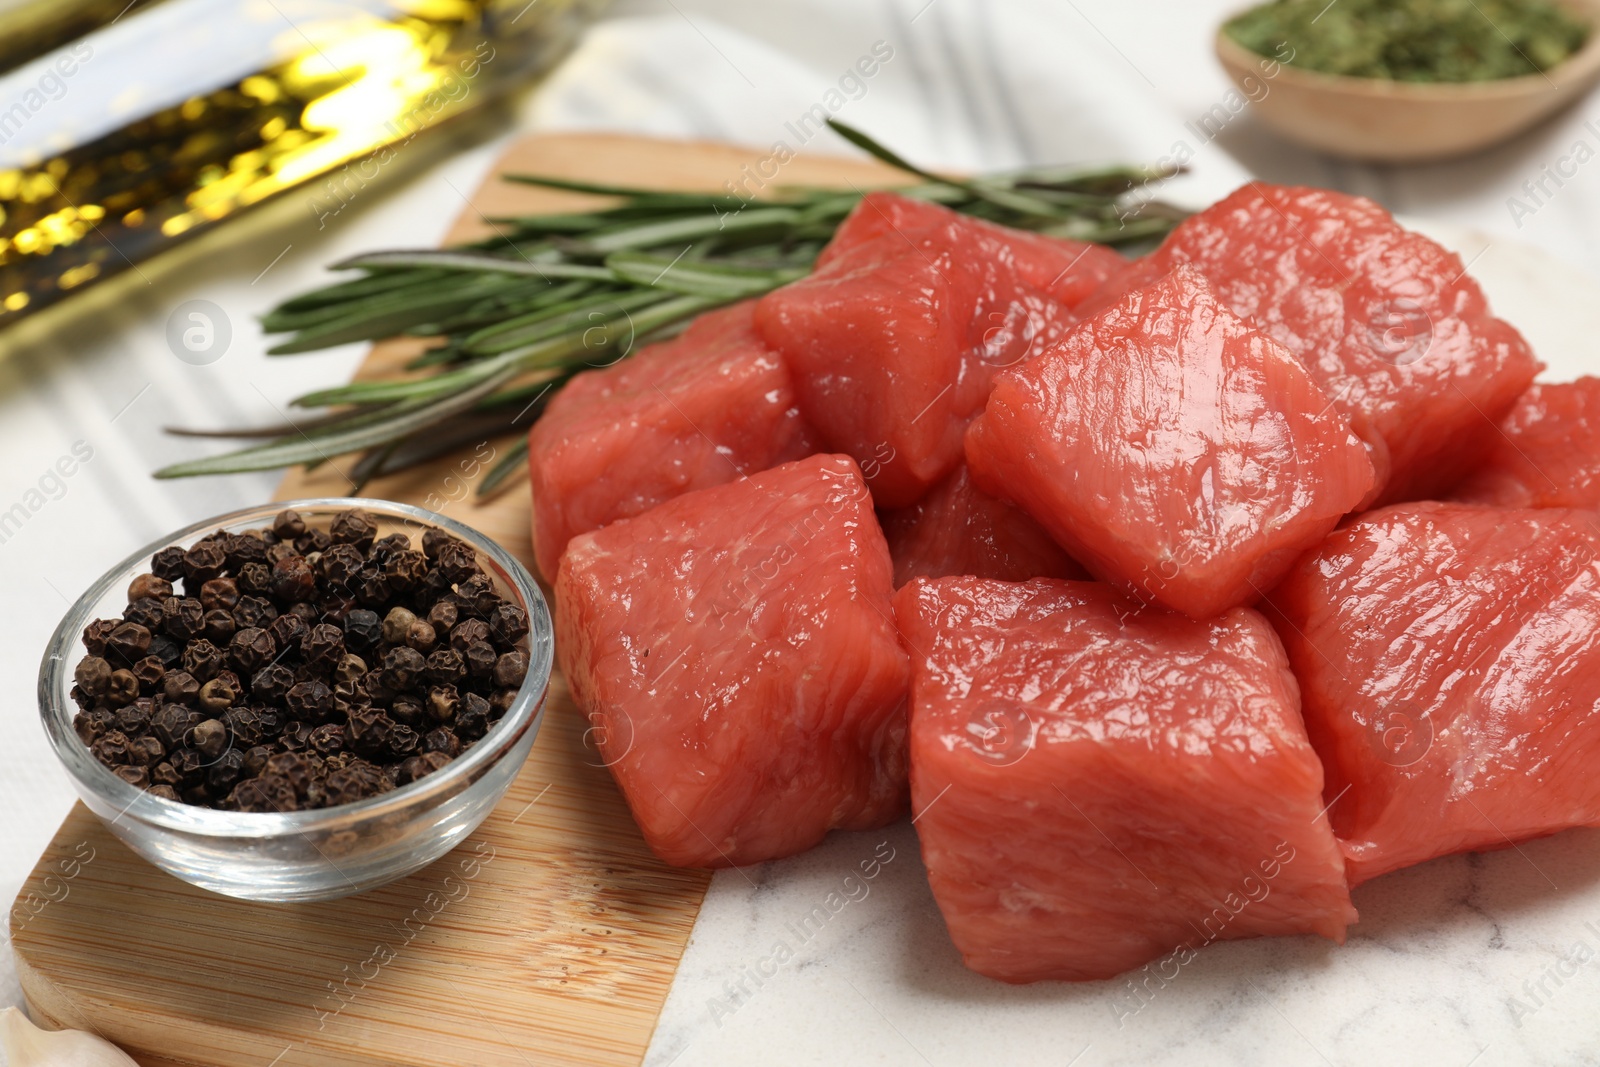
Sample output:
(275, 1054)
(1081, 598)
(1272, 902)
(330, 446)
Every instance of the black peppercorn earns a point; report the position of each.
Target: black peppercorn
(508, 624)
(351, 669)
(187, 764)
(397, 624)
(112, 748)
(404, 665)
(221, 775)
(362, 629)
(369, 732)
(441, 739)
(403, 742)
(372, 588)
(146, 751)
(90, 726)
(323, 647)
(354, 527)
(149, 585)
(220, 627)
(422, 637)
(146, 613)
(313, 542)
(132, 719)
(510, 669)
(171, 723)
(340, 565)
(127, 644)
(389, 544)
(220, 593)
(253, 612)
(405, 568)
(149, 672)
(182, 618)
(292, 579)
(164, 774)
(433, 587)
(311, 701)
(165, 792)
(406, 709)
(442, 703)
(251, 650)
(166, 651)
(168, 564)
(271, 683)
(425, 764)
(348, 697)
(180, 687)
(468, 631)
(93, 674)
(472, 718)
(209, 738)
(202, 563)
(294, 736)
(299, 769)
(481, 658)
(255, 579)
(266, 793)
(287, 630)
(457, 561)
(327, 739)
(244, 727)
(121, 688)
(477, 596)
(445, 666)
(96, 635)
(255, 760)
(500, 703)
(444, 614)
(134, 775)
(288, 524)
(434, 540)
(349, 784)
(203, 660)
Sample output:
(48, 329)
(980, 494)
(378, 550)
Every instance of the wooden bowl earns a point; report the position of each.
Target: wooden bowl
(1382, 121)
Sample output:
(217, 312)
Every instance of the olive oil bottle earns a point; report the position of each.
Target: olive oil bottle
(172, 116)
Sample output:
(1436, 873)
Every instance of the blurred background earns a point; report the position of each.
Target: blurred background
(437, 91)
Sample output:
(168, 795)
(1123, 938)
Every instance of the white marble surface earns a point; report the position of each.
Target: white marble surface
(1430, 970)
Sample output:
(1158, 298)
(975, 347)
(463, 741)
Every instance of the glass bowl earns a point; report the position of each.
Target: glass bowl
(323, 853)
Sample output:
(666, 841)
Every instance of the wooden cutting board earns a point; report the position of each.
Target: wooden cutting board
(555, 942)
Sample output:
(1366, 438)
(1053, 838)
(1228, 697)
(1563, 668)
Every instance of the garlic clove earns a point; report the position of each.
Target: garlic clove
(26, 1045)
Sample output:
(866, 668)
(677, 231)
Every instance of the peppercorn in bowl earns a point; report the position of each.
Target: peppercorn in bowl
(300, 701)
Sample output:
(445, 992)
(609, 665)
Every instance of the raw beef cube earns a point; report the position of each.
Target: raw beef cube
(1387, 321)
(1449, 656)
(1071, 271)
(1547, 454)
(735, 653)
(894, 341)
(705, 408)
(1172, 449)
(1097, 785)
(957, 529)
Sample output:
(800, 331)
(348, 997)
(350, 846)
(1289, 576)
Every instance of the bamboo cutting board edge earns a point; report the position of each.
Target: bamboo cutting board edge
(575, 928)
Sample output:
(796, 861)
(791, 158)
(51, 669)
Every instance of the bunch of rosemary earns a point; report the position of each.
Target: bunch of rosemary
(550, 295)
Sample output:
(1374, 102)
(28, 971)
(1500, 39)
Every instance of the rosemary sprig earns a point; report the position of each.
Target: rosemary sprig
(518, 314)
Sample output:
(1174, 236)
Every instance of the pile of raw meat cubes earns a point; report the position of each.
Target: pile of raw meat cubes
(1174, 596)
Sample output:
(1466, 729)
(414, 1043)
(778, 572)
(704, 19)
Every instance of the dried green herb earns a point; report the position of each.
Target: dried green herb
(1414, 40)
